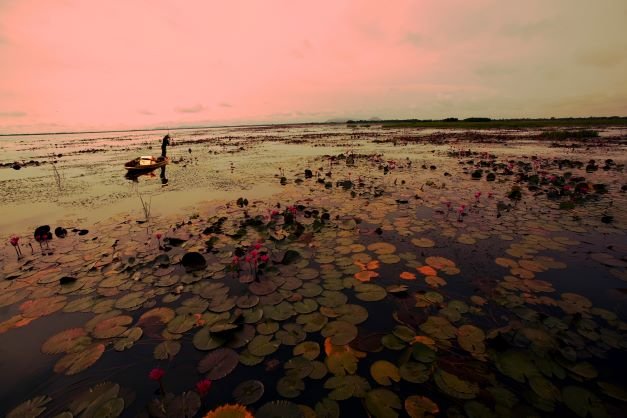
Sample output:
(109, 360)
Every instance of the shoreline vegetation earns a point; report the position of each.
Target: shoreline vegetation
(488, 123)
(455, 123)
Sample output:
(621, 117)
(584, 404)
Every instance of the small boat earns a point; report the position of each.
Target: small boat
(146, 163)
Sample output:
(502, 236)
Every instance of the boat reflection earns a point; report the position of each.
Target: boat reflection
(150, 172)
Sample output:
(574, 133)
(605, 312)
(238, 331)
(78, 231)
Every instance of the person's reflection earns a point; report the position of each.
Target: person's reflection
(164, 179)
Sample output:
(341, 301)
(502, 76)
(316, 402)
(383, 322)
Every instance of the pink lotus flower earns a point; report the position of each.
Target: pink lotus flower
(203, 386)
(156, 374)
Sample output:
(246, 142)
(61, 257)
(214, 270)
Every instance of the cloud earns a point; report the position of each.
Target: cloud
(601, 58)
(191, 109)
(225, 104)
(12, 114)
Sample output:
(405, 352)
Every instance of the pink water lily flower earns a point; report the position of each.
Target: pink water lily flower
(156, 374)
(203, 386)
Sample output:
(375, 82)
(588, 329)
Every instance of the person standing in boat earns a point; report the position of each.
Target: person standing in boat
(164, 144)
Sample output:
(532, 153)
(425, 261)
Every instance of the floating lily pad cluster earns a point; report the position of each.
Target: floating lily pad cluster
(331, 295)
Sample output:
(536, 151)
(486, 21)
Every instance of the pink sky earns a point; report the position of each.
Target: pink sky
(70, 64)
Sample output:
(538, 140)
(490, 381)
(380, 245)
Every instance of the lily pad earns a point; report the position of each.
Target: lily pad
(31, 408)
(454, 386)
(263, 345)
(307, 349)
(73, 363)
(583, 402)
(348, 386)
(218, 363)
(166, 350)
(66, 341)
(383, 403)
(419, 406)
(248, 392)
(112, 327)
(340, 332)
(384, 372)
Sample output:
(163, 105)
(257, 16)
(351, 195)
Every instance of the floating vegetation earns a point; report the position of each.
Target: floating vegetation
(354, 291)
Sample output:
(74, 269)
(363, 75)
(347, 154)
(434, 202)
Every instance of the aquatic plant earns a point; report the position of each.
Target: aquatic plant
(203, 386)
(14, 240)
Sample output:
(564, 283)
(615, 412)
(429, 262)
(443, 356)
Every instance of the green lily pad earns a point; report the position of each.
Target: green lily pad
(290, 386)
(516, 364)
(218, 363)
(307, 349)
(73, 363)
(340, 332)
(112, 327)
(419, 406)
(583, 402)
(342, 363)
(415, 372)
(204, 340)
(383, 403)
(454, 386)
(291, 334)
(384, 372)
(438, 328)
(423, 353)
(181, 324)
(31, 408)
(166, 350)
(248, 392)
(263, 345)
(327, 408)
(348, 386)
(66, 341)
(369, 292)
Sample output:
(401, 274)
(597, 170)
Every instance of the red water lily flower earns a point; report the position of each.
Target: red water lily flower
(203, 386)
(14, 240)
(265, 258)
(156, 374)
(158, 235)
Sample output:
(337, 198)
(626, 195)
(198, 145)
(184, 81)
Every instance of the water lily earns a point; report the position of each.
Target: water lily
(156, 374)
(203, 386)
(15, 243)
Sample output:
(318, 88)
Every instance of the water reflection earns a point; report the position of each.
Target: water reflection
(150, 172)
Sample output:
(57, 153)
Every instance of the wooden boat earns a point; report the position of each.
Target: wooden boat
(146, 163)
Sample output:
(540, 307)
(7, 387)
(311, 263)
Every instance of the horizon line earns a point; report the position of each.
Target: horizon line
(330, 122)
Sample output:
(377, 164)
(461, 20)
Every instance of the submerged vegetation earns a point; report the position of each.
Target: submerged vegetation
(452, 282)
